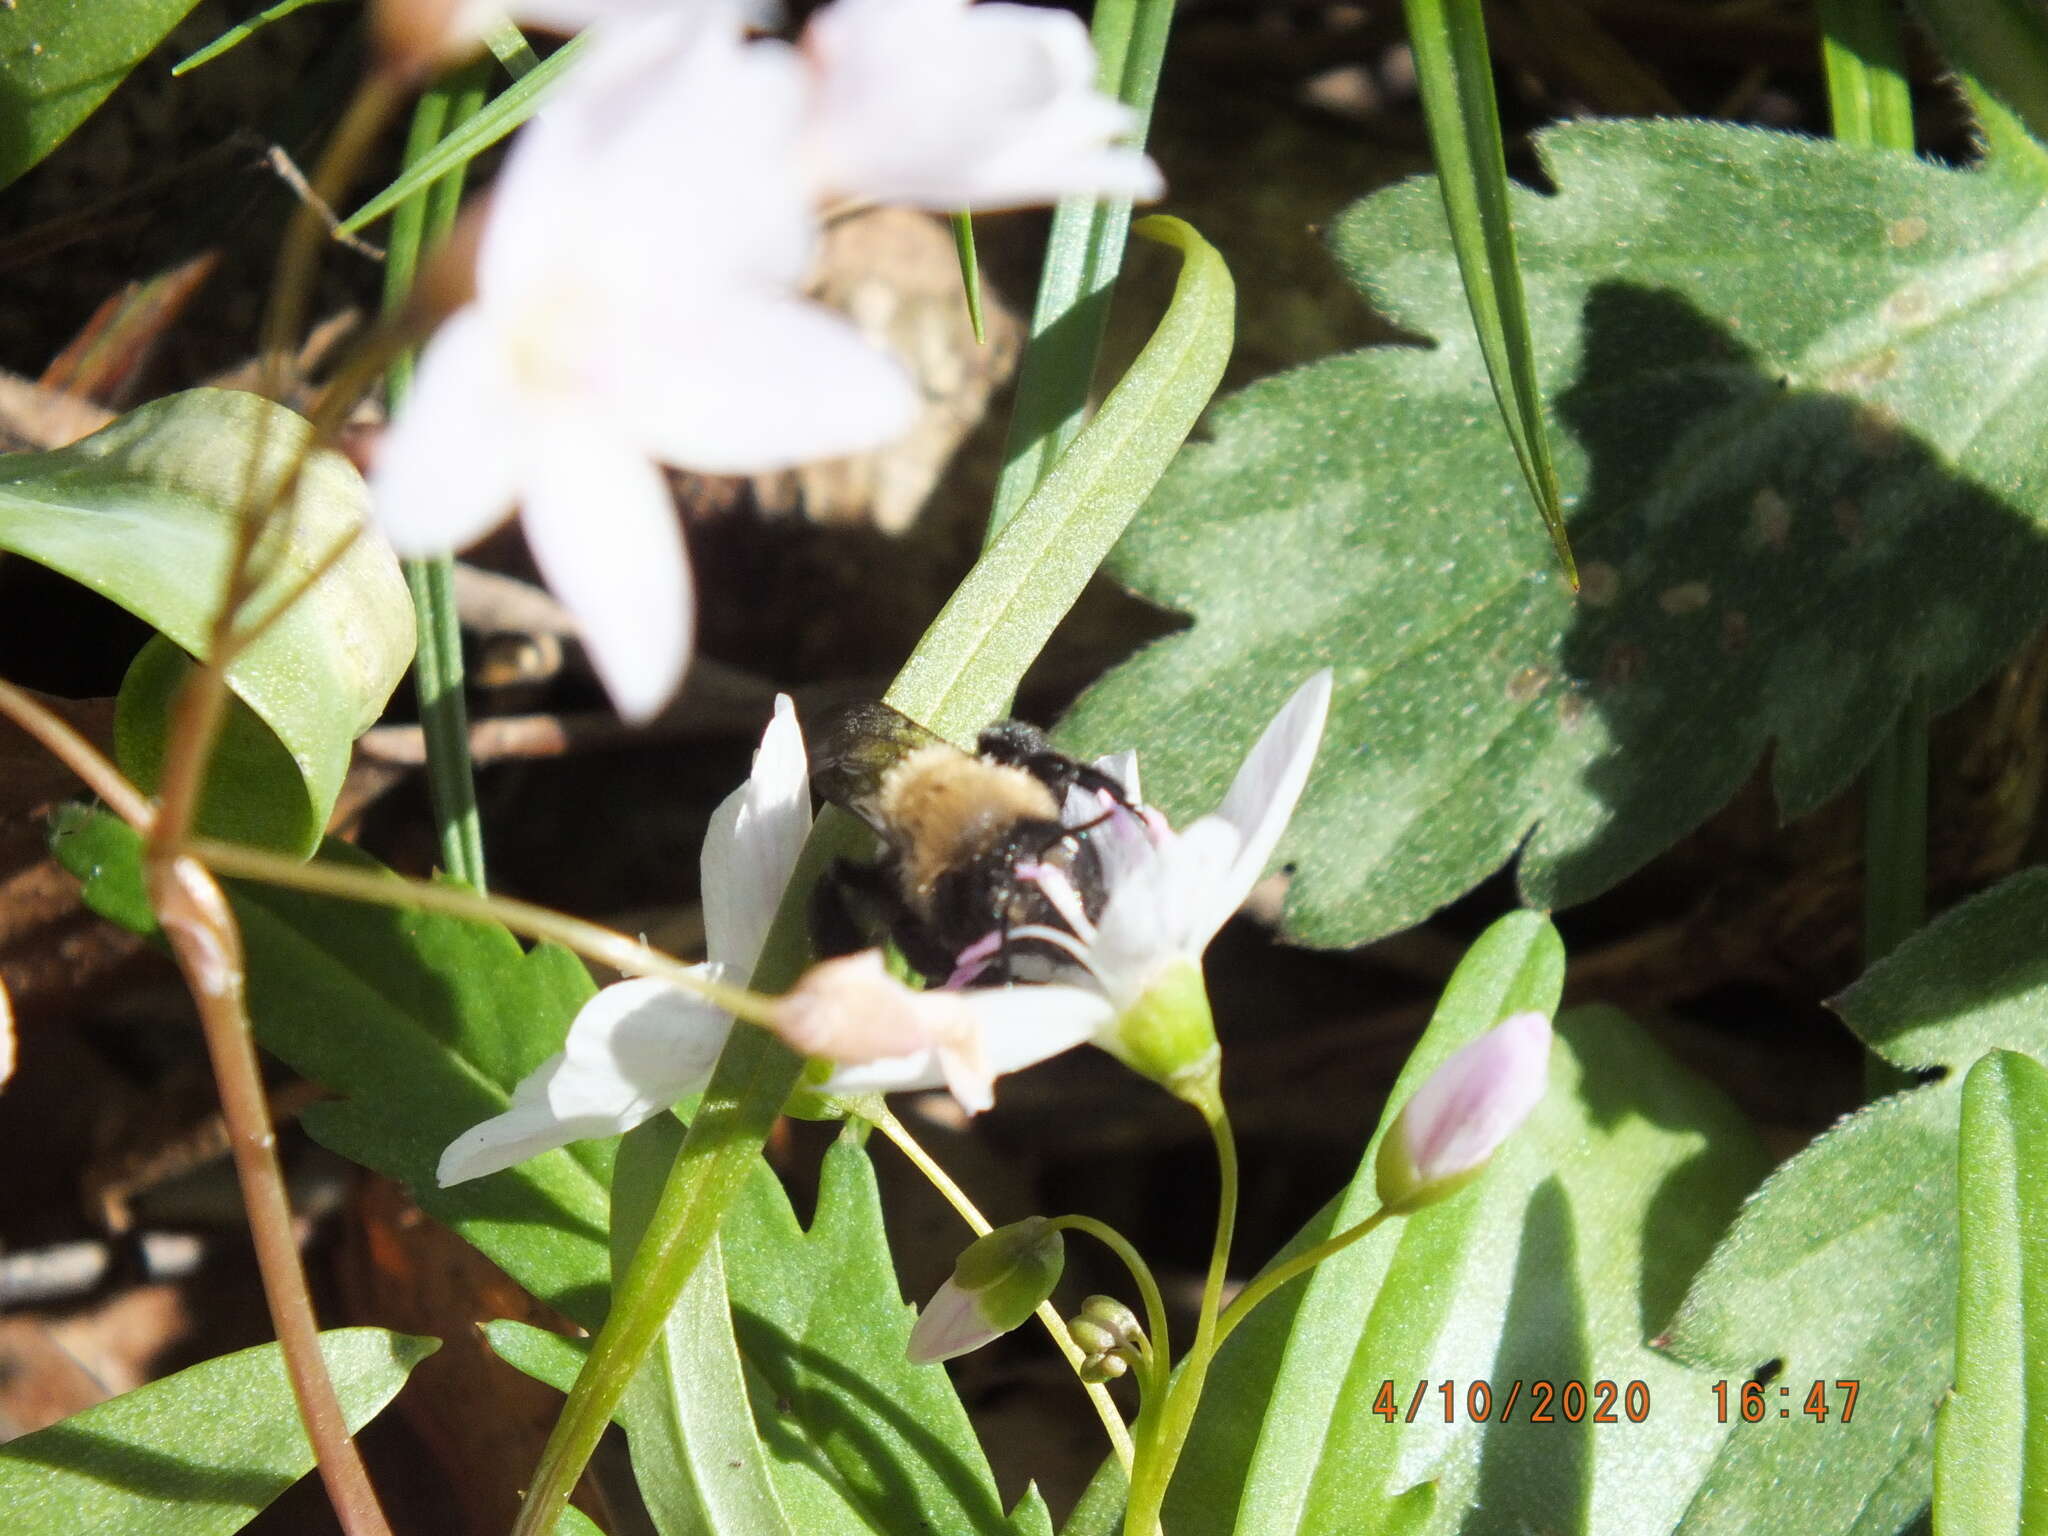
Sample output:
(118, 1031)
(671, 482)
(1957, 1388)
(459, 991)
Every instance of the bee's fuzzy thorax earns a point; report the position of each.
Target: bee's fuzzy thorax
(946, 807)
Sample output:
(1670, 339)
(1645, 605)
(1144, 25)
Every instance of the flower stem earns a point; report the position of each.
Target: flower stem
(1155, 1305)
(1105, 1407)
(1271, 1281)
(437, 666)
(381, 888)
(1162, 1436)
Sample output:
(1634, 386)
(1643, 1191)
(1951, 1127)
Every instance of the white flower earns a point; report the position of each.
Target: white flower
(637, 303)
(946, 105)
(1136, 987)
(1171, 892)
(641, 1045)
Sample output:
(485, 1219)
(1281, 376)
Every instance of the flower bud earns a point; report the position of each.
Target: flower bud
(1109, 1336)
(998, 1281)
(1452, 1125)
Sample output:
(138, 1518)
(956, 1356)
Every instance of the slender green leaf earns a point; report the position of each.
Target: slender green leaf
(1806, 454)
(438, 663)
(1556, 1266)
(1869, 97)
(2000, 44)
(1844, 1266)
(697, 1459)
(58, 61)
(1083, 255)
(195, 1454)
(238, 32)
(970, 274)
(506, 112)
(1991, 1436)
(1455, 76)
(423, 1024)
(1870, 102)
(145, 513)
(967, 667)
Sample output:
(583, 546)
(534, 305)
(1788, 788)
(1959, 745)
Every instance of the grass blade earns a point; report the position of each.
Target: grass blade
(1083, 256)
(1455, 75)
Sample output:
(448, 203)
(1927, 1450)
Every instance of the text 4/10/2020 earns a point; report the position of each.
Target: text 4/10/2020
(1539, 1402)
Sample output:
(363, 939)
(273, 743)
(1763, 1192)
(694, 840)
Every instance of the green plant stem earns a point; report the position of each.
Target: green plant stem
(437, 665)
(1293, 1269)
(1105, 1407)
(1163, 1434)
(1148, 1289)
(380, 888)
(1083, 256)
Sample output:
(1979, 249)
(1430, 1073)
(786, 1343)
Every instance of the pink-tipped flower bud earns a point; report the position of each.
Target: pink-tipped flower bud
(998, 1281)
(1454, 1123)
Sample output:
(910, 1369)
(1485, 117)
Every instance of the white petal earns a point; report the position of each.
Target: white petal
(662, 171)
(634, 1049)
(946, 106)
(446, 467)
(604, 532)
(1123, 767)
(764, 382)
(1262, 797)
(1019, 1026)
(1158, 911)
(574, 15)
(752, 844)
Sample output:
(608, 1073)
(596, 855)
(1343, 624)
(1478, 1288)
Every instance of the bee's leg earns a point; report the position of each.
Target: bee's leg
(857, 905)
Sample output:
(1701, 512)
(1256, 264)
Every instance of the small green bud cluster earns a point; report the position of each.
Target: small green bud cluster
(1109, 1336)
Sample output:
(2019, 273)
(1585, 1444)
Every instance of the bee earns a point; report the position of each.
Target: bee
(975, 845)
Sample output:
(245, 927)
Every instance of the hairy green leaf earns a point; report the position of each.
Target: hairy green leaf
(145, 513)
(423, 1024)
(195, 1454)
(818, 1393)
(819, 1316)
(1991, 1436)
(58, 61)
(1844, 1266)
(1797, 388)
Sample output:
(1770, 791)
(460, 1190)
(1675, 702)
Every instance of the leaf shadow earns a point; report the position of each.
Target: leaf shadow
(1528, 1467)
(1767, 566)
(843, 1416)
